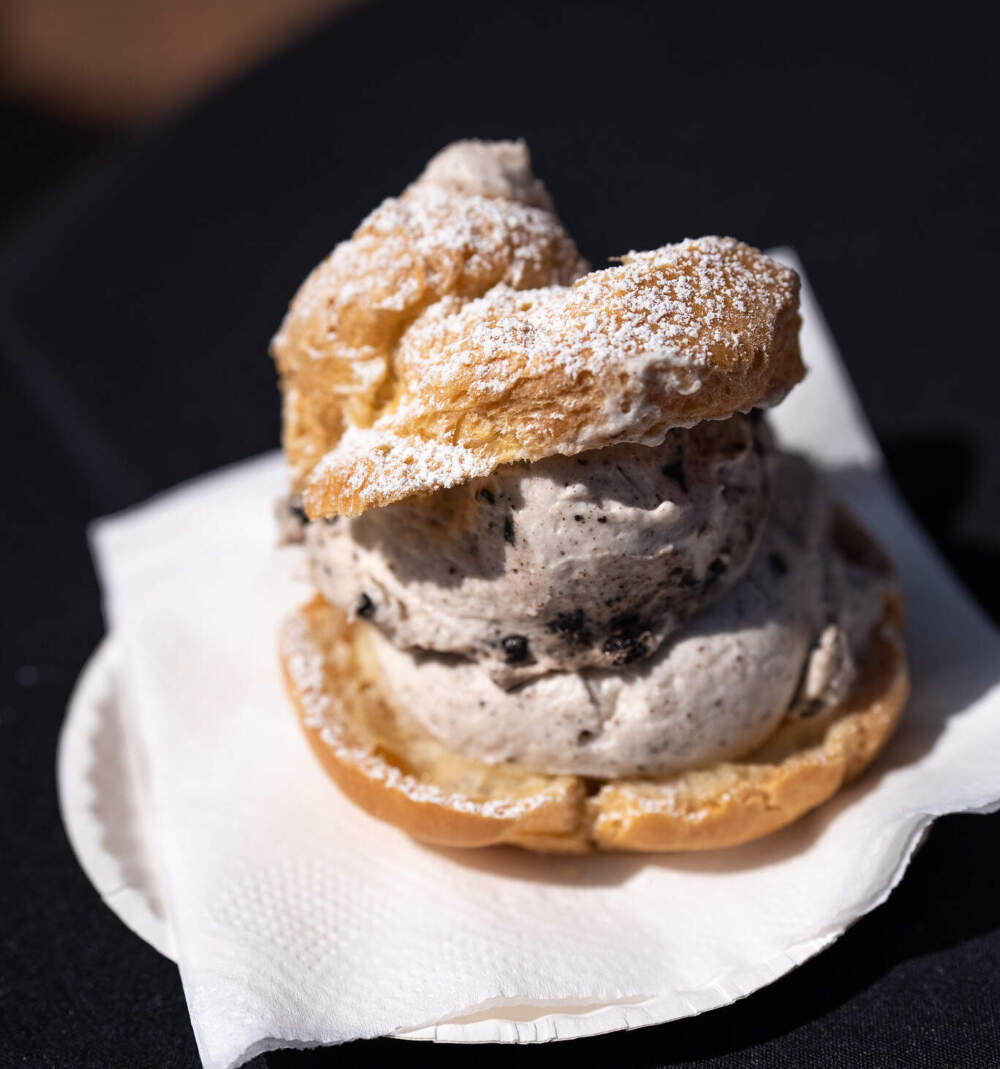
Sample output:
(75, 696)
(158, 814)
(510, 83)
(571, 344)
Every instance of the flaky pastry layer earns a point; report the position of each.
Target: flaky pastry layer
(456, 331)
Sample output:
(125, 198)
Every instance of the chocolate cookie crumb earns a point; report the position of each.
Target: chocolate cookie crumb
(624, 649)
(675, 473)
(811, 708)
(625, 625)
(570, 624)
(515, 648)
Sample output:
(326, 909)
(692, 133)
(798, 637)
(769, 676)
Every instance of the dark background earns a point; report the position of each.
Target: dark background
(137, 300)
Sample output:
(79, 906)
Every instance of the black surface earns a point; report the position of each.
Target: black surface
(39, 148)
(135, 315)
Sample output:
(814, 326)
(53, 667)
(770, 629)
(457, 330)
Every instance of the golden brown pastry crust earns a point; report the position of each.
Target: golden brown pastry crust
(446, 236)
(394, 769)
(453, 333)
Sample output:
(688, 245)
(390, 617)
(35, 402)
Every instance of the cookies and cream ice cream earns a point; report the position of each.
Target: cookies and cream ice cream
(778, 632)
(570, 562)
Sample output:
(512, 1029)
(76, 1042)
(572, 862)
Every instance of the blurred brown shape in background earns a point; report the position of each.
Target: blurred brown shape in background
(75, 72)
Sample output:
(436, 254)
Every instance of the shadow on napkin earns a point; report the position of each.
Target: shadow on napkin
(116, 808)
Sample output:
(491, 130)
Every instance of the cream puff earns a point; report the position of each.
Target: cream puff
(570, 594)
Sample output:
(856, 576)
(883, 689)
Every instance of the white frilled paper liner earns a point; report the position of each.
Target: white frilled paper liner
(297, 920)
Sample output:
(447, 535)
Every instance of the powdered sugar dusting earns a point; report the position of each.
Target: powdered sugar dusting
(619, 356)
(489, 169)
(459, 327)
(476, 219)
(680, 305)
(380, 462)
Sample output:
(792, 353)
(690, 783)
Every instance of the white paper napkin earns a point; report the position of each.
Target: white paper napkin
(301, 921)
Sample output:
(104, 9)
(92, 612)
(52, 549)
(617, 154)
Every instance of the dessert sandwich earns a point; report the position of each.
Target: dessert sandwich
(570, 593)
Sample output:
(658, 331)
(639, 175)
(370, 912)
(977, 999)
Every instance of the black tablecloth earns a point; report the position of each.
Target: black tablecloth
(134, 319)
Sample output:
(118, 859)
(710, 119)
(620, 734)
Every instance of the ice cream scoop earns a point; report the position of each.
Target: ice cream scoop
(785, 640)
(570, 562)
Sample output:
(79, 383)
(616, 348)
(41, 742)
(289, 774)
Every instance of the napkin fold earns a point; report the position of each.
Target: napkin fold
(300, 921)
